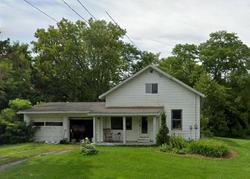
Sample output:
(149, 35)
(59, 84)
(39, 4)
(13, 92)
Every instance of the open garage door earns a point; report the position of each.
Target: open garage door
(81, 128)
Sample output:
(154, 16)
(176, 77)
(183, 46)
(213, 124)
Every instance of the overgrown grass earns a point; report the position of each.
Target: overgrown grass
(130, 162)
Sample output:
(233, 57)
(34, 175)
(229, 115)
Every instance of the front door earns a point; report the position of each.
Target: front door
(144, 125)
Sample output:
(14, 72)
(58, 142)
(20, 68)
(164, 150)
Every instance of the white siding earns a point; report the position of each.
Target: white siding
(48, 133)
(170, 95)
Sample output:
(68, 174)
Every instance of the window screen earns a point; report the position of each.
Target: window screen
(177, 119)
(38, 123)
(128, 123)
(151, 88)
(116, 123)
(53, 123)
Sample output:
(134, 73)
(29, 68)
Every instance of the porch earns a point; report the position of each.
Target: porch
(125, 130)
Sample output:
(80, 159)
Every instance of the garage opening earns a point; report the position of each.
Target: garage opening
(80, 128)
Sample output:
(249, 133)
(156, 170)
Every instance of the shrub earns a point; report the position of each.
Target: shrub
(64, 141)
(87, 148)
(177, 142)
(208, 148)
(13, 130)
(162, 136)
(165, 148)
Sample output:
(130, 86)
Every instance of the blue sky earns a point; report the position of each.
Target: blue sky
(154, 25)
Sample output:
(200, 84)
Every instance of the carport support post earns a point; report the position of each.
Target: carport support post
(94, 124)
(124, 129)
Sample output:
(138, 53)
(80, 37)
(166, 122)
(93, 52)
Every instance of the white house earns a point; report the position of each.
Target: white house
(129, 115)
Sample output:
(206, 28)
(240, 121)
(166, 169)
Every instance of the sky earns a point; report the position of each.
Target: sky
(153, 25)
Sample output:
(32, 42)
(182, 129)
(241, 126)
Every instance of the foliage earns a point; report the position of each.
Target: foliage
(177, 142)
(15, 72)
(219, 68)
(210, 148)
(77, 62)
(162, 136)
(12, 129)
(87, 148)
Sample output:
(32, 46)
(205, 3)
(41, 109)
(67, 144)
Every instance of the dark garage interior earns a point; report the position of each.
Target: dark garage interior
(80, 128)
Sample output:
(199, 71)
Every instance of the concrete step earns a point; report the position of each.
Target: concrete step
(143, 140)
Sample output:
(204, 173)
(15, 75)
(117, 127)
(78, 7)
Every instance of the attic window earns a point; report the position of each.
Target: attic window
(151, 88)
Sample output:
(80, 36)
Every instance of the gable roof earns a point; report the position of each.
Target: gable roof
(159, 71)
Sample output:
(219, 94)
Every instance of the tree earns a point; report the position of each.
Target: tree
(162, 136)
(183, 64)
(77, 62)
(222, 54)
(15, 72)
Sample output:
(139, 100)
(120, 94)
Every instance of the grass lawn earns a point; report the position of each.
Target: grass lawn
(123, 162)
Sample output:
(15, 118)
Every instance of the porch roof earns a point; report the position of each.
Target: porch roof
(90, 108)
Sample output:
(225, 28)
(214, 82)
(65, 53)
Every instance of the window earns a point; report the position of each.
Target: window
(116, 123)
(177, 119)
(151, 88)
(53, 123)
(128, 123)
(38, 124)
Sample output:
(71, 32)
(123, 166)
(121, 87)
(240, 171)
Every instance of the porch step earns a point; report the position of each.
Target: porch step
(143, 140)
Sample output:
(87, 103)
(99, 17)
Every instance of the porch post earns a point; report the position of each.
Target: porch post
(94, 127)
(124, 129)
(154, 129)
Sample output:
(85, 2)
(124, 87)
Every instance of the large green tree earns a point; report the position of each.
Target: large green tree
(15, 72)
(79, 61)
(183, 63)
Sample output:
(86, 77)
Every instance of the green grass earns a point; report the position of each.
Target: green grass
(127, 162)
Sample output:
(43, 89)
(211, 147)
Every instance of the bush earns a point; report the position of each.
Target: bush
(162, 136)
(177, 142)
(87, 148)
(64, 141)
(12, 129)
(208, 148)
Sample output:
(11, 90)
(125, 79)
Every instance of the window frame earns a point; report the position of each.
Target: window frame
(172, 119)
(149, 89)
(33, 124)
(113, 119)
(53, 123)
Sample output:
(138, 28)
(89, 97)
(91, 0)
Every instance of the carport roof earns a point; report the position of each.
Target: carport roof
(90, 108)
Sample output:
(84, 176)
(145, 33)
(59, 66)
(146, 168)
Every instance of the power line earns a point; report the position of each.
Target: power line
(52, 18)
(86, 9)
(125, 34)
(74, 11)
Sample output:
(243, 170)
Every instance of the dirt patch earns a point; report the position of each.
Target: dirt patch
(230, 154)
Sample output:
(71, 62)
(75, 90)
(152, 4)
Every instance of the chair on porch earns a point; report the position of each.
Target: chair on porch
(107, 135)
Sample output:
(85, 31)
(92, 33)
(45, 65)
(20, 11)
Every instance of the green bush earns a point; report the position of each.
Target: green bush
(177, 142)
(87, 148)
(12, 127)
(165, 148)
(162, 136)
(210, 148)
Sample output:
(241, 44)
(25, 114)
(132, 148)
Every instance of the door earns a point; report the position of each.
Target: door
(144, 125)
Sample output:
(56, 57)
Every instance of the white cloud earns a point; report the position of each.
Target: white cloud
(153, 25)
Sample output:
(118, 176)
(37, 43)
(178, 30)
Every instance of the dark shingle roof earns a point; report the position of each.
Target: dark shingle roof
(93, 108)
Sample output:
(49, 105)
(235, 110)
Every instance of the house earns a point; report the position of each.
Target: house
(130, 114)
